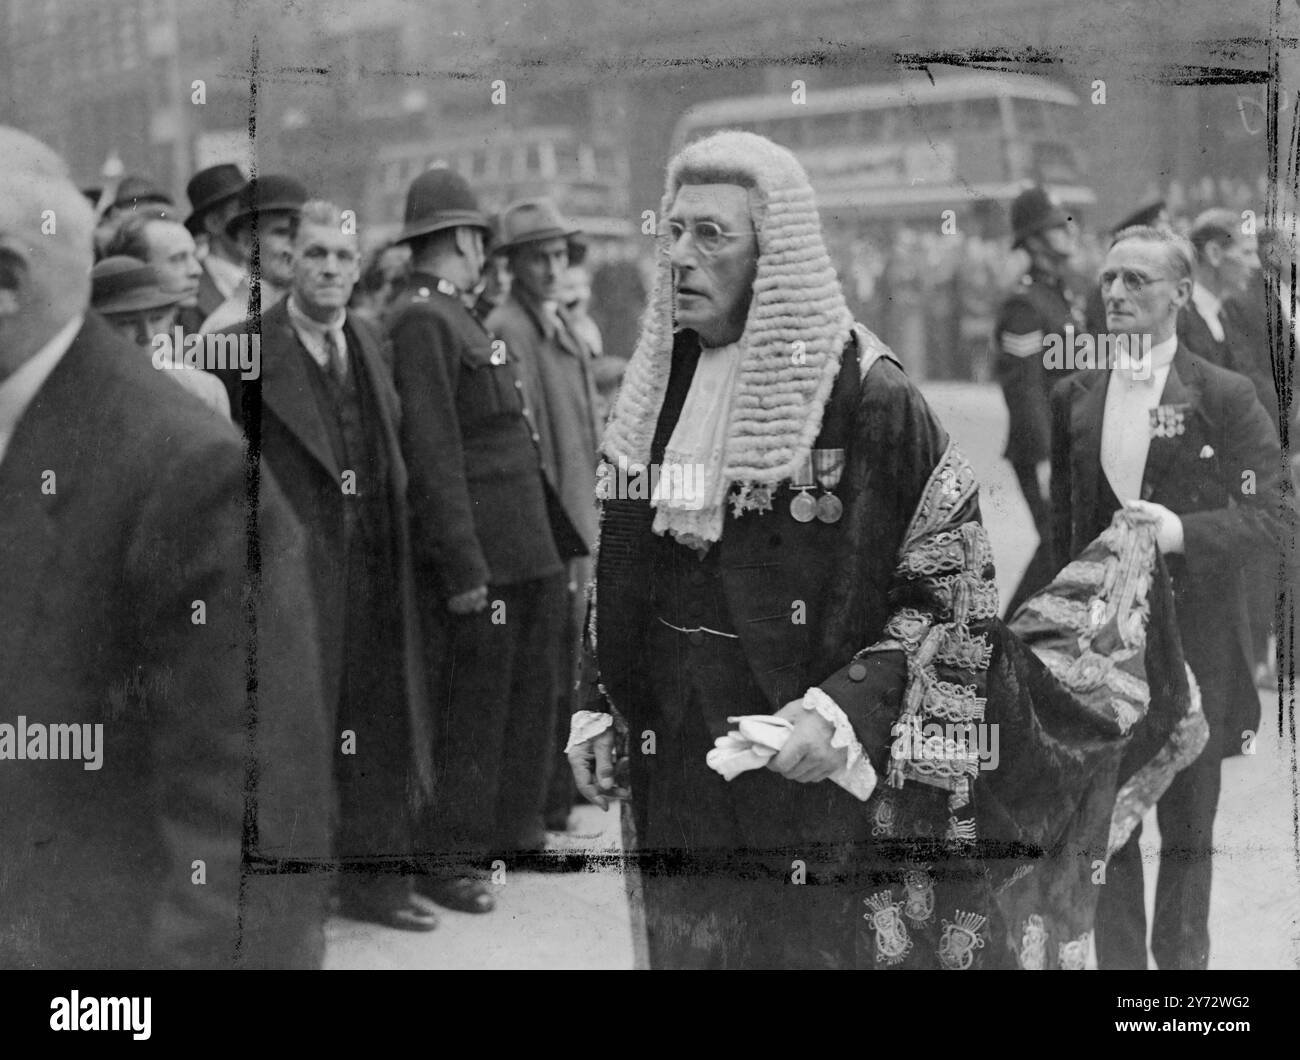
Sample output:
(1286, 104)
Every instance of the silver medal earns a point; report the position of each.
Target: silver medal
(803, 507)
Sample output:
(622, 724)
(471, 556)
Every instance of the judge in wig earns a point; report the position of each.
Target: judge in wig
(793, 591)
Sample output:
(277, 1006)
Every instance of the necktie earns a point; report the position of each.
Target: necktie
(1126, 433)
(338, 364)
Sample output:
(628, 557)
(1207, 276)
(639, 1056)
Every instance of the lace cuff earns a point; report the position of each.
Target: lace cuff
(584, 725)
(858, 777)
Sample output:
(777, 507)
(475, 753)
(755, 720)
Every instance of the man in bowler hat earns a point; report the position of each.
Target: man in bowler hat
(490, 540)
(214, 200)
(263, 226)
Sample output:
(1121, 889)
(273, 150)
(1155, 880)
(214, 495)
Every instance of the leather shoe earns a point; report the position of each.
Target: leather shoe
(460, 893)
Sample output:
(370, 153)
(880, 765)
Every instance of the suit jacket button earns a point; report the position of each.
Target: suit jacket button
(774, 541)
(857, 672)
(696, 638)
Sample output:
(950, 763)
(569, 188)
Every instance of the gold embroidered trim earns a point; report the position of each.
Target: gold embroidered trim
(951, 484)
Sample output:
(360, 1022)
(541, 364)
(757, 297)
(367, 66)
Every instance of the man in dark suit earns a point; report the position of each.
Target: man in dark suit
(1258, 322)
(491, 540)
(1037, 310)
(1227, 263)
(326, 425)
(214, 200)
(152, 836)
(559, 376)
(1187, 444)
(1227, 259)
(263, 223)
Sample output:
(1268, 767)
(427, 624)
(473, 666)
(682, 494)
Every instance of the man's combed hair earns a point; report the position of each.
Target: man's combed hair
(1178, 251)
(318, 212)
(1215, 225)
(131, 238)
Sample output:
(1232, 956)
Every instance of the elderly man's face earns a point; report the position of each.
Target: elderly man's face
(326, 268)
(1141, 294)
(714, 259)
(172, 254)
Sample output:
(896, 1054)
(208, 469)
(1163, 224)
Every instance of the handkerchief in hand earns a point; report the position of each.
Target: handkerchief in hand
(751, 746)
(757, 738)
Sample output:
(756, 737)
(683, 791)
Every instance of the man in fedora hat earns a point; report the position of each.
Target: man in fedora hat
(1038, 308)
(557, 365)
(214, 200)
(136, 191)
(490, 540)
(264, 222)
(128, 294)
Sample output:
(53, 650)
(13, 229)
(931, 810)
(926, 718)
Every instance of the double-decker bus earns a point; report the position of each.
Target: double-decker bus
(889, 160)
(911, 148)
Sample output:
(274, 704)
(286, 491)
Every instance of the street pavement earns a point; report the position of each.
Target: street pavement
(583, 920)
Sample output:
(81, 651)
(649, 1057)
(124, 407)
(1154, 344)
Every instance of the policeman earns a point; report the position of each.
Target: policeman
(491, 544)
(1038, 308)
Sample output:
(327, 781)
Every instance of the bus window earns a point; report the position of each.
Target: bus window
(980, 115)
(938, 119)
(1028, 117)
(877, 126)
(832, 130)
(566, 160)
(532, 161)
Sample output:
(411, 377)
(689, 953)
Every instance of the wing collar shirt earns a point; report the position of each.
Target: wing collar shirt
(20, 389)
(1131, 394)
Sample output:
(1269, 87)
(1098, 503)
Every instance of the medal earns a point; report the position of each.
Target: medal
(828, 464)
(829, 508)
(802, 507)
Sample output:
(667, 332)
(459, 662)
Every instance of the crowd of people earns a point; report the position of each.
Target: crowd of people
(362, 608)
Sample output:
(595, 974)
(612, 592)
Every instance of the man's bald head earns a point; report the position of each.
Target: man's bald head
(46, 249)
